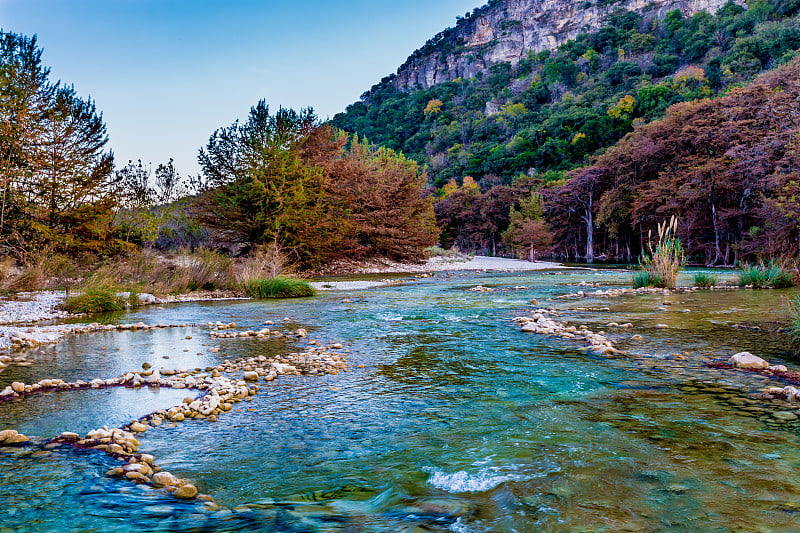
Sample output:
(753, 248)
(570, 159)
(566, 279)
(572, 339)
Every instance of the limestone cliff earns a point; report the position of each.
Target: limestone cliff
(506, 30)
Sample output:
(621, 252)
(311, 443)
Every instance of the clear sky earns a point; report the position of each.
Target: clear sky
(166, 73)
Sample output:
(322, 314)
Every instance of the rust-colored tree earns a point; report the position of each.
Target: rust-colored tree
(726, 167)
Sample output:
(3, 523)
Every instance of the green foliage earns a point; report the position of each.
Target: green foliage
(645, 278)
(277, 287)
(313, 191)
(570, 91)
(98, 296)
(705, 280)
(665, 260)
(762, 275)
(56, 175)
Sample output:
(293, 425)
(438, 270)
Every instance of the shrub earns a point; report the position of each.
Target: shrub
(277, 287)
(705, 280)
(766, 275)
(96, 300)
(665, 260)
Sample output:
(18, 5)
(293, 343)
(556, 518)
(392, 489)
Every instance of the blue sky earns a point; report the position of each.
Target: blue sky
(166, 73)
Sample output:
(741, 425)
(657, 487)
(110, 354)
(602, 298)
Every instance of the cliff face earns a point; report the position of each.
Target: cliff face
(507, 30)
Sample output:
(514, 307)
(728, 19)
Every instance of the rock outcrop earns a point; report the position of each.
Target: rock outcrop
(507, 30)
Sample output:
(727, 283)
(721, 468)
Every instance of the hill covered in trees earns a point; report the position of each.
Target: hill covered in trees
(524, 124)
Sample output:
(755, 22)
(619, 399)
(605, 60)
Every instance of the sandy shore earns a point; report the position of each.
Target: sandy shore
(435, 264)
(443, 264)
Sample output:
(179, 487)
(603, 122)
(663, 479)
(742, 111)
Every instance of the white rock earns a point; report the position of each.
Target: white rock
(747, 360)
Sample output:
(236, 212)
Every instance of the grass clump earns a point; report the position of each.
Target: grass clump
(100, 295)
(96, 300)
(662, 264)
(766, 275)
(644, 278)
(704, 280)
(794, 323)
(277, 287)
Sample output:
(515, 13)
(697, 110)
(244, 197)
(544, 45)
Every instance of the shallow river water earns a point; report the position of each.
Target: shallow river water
(456, 422)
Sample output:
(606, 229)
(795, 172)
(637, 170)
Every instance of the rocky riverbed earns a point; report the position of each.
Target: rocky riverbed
(220, 388)
(440, 417)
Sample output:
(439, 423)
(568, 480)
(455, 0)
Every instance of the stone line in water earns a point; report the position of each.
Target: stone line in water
(541, 323)
(221, 393)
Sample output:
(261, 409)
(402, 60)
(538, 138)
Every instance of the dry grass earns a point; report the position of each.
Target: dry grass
(265, 262)
(148, 271)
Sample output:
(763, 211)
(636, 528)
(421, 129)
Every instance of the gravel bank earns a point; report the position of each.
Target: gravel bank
(32, 307)
(441, 264)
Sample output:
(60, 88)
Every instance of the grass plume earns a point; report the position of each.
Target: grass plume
(662, 263)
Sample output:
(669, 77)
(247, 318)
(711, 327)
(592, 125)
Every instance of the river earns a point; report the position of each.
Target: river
(449, 418)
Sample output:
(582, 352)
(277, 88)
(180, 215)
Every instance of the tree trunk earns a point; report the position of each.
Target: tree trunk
(589, 233)
(717, 250)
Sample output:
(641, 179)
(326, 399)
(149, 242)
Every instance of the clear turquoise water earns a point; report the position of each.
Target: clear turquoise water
(457, 421)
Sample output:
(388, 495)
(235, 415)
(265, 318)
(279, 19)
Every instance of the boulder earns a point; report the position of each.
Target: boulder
(186, 492)
(747, 360)
(164, 479)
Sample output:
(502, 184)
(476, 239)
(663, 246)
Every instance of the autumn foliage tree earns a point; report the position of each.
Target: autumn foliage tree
(311, 190)
(528, 233)
(728, 168)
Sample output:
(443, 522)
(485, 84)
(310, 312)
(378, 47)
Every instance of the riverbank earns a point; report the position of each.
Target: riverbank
(440, 264)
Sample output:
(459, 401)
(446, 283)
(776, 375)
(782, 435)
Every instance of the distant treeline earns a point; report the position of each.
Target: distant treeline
(285, 180)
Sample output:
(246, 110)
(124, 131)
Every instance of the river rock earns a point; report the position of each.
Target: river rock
(164, 479)
(186, 492)
(777, 368)
(12, 437)
(251, 376)
(138, 427)
(785, 415)
(18, 387)
(747, 360)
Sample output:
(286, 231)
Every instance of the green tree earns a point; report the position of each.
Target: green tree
(261, 189)
(528, 233)
(57, 176)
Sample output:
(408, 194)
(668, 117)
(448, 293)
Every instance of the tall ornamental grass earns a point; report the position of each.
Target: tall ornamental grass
(661, 264)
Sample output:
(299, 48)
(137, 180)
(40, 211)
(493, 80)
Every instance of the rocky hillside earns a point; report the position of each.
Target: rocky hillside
(507, 30)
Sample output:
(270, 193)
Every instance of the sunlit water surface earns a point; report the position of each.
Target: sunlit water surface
(457, 421)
